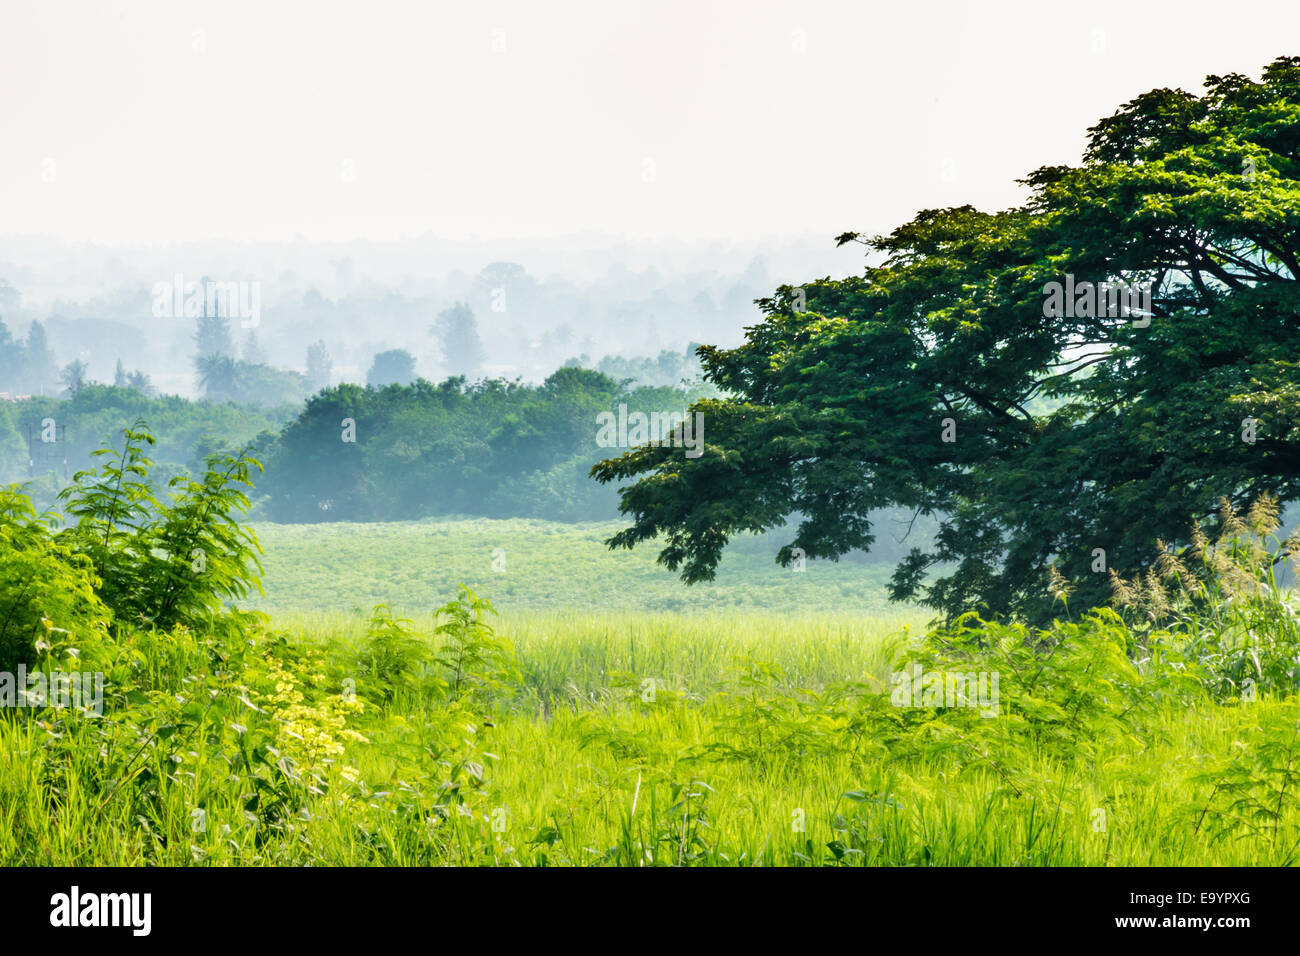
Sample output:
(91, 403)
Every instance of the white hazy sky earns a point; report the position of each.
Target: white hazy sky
(157, 121)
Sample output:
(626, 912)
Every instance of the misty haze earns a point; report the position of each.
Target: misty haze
(627, 434)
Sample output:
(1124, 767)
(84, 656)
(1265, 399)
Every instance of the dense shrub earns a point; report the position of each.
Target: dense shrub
(164, 562)
(44, 585)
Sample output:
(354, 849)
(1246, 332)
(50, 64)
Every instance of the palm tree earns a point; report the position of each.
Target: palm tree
(217, 374)
(73, 377)
(141, 382)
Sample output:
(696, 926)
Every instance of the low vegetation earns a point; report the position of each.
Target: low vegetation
(1163, 730)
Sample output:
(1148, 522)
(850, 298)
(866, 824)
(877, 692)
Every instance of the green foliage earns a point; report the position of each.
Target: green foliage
(1073, 431)
(320, 367)
(45, 587)
(12, 446)
(493, 448)
(476, 662)
(98, 413)
(1254, 794)
(225, 378)
(394, 367)
(1224, 601)
(10, 356)
(457, 333)
(668, 369)
(211, 739)
(393, 652)
(111, 507)
(202, 556)
(25, 367)
(165, 563)
(246, 748)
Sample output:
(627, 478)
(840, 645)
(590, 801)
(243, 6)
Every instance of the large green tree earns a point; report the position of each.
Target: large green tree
(950, 379)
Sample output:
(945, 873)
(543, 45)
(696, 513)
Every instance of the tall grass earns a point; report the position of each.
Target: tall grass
(566, 653)
(1166, 731)
(581, 763)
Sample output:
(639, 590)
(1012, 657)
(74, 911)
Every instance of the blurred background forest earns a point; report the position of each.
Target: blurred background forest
(475, 392)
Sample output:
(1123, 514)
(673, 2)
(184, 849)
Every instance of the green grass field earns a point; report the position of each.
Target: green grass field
(413, 566)
(752, 729)
(581, 766)
(585, 761)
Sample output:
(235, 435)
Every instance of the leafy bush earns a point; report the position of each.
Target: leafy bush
(164, 563)
(475, 661)
(44, 586)
(393, 653)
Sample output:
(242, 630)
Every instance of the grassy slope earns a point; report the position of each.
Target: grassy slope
(413, 566)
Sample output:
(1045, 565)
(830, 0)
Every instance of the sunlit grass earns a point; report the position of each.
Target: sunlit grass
(529, 565)
(583, 769)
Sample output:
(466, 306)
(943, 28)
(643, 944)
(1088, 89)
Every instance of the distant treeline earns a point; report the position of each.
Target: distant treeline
(45, 440)
(494, 448)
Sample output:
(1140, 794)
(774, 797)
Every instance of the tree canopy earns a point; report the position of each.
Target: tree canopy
(946, 379)
(393, 367)
(491, 448)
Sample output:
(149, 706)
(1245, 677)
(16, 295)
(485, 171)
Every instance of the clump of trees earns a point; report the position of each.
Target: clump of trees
(38, 435)
(492, 448)
(27, 365)
(137, 380)
(457, 333)
(393, 367)
(320, 367)
(681, 369)
(224, 377)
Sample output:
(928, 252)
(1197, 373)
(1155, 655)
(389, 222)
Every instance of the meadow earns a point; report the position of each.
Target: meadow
(529, 565)
(595, 736)
(604, 715)
(617, 739)
(640, 741)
